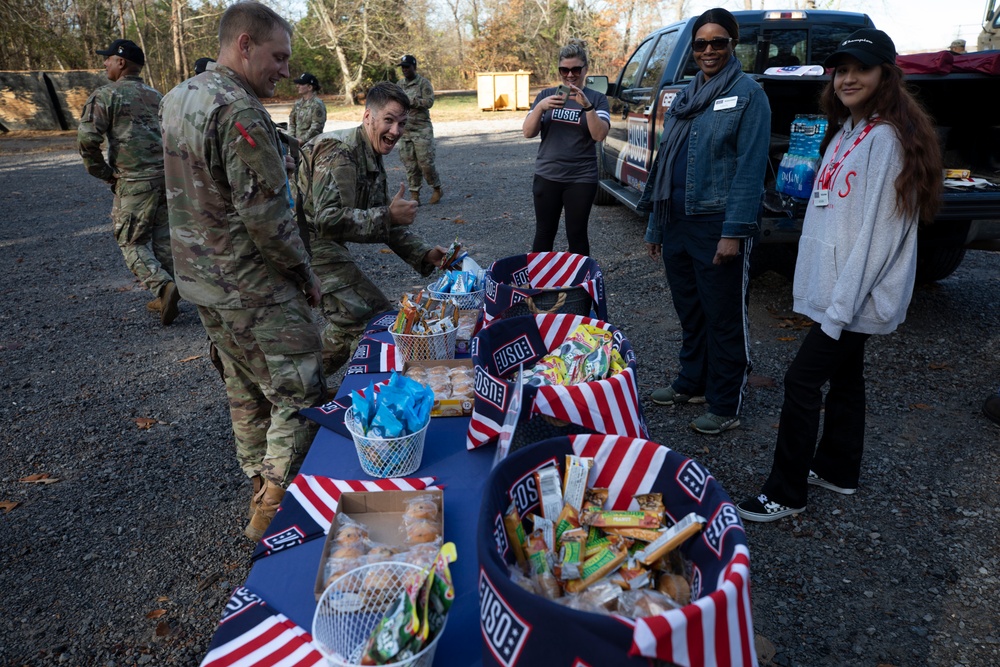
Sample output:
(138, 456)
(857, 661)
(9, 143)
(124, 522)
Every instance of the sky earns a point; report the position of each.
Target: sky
(913, 25)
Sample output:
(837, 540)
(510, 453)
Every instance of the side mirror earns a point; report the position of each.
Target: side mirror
(600, 84)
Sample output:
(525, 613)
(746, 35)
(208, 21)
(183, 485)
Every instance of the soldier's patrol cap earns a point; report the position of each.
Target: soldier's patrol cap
(307, 79)
(125, 48)
(408, 60)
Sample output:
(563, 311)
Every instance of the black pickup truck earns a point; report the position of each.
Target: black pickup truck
(967, 123)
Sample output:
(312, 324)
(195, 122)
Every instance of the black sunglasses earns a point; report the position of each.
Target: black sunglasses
(575, 71)
(718, 43)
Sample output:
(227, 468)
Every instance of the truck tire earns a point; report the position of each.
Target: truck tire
(937, 263)
(603, 197)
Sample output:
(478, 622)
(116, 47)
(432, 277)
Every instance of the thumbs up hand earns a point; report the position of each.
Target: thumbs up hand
(402, 211)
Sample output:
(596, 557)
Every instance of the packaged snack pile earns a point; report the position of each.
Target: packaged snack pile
(418, 614)
(584, 356)
(458, 282)
(420, 314)
(591, 559)
(422, 537)
(447, 382)
(402, 407)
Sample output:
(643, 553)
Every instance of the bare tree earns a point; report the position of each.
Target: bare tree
(338, 20)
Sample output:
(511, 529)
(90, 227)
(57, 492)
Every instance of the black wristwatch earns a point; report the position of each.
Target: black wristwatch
(586, 109)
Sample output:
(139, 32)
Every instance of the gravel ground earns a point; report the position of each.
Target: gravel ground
(129, 556)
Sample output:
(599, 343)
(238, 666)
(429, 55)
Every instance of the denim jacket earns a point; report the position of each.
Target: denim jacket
(727, 160)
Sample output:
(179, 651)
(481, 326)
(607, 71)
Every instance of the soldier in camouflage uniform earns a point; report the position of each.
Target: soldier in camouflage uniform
(345, 198)
(416, 148)
(238, 253)
(308, 115)
(126, 112)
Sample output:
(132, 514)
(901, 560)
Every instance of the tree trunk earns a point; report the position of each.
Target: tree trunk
(175, 34)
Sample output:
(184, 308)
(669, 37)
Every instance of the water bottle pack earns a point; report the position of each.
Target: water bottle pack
(797, 170)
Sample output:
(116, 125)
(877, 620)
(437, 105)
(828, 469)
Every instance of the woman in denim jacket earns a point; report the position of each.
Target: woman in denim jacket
(705, 192)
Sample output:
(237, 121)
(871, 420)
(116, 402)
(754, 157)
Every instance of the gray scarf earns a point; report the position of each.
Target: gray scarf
(689, 103)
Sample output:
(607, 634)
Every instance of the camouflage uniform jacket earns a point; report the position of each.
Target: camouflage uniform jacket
(421, 96)
(126, 112)
(307, 118)
(233, 238)
(345, 199)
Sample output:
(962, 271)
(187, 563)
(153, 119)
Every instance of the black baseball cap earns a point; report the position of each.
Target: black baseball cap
(307, 79)
(872, 47)
(408, 60)
(125, 48)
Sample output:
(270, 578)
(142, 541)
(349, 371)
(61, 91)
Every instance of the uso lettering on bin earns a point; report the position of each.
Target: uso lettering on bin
(524, 492)
(517, 351)
(693, 479)
(290, 537)
(490, 389)
(719, 525)
(503, 631)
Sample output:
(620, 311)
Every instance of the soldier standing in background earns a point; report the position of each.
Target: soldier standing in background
(308, 114)
(238, 253)
(345, 198)
(416, 148)
(125, 111)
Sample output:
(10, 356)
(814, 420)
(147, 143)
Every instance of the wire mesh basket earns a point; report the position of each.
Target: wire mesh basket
(420, 347)
(387, 457)
(467, 301)
(352, 606)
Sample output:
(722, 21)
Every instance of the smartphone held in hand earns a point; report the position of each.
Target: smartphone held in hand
(564, 90)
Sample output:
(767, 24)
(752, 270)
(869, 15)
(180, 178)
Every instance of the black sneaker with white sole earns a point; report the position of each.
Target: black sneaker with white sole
(816, 480)
(762, 510)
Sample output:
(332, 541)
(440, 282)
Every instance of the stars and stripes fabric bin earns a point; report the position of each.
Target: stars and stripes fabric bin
(251, 632)
(521, 629)
(611, 405)
(310, 503)
(541, 271)
(374, 356)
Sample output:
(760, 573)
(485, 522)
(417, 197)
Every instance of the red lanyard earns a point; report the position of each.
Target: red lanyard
(833, 167)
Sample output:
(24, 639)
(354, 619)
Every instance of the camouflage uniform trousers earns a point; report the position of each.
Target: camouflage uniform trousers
(416, 151)
(350, 301)
(139, 217)
(273, 368)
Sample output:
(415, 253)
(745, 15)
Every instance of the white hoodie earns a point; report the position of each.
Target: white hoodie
(858, 255)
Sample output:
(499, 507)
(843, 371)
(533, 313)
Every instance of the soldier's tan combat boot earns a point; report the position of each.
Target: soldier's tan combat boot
(169, 296)
(436, 197)
(154, 306)
(258, 482)
(266, 503)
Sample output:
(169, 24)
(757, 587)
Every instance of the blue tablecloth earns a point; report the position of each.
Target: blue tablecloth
(286, 579)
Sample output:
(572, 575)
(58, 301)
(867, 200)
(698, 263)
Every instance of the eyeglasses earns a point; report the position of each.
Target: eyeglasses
(575, 71)
(718, 44)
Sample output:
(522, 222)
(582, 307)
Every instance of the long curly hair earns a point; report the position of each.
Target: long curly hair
(919, 185)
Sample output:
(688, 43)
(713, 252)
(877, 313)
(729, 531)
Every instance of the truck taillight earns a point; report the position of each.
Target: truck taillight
(774, 16)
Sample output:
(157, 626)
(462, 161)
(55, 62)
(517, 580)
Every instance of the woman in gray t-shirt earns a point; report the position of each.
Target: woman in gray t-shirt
(571, 123)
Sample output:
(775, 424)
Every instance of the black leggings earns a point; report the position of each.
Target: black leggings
(551, 197)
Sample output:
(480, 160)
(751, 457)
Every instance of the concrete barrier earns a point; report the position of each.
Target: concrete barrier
(45, 100)
(25, 103)
(71, 91)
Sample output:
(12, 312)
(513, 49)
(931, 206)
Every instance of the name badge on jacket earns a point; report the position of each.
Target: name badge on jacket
(725, 103)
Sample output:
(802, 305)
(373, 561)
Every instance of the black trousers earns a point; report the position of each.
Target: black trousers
(821, 359)
(551, 198)
(711, 304)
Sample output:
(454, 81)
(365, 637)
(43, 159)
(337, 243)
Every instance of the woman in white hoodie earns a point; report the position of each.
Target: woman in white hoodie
(855, 269)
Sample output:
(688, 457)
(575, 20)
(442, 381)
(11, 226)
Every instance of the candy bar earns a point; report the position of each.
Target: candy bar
(550, 491)
(575, 480)
(599, 565)
(515, 534)
(620, 519)
(672, 538)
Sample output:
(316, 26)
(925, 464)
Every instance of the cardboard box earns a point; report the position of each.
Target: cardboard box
(381, 512)
(451, 407)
